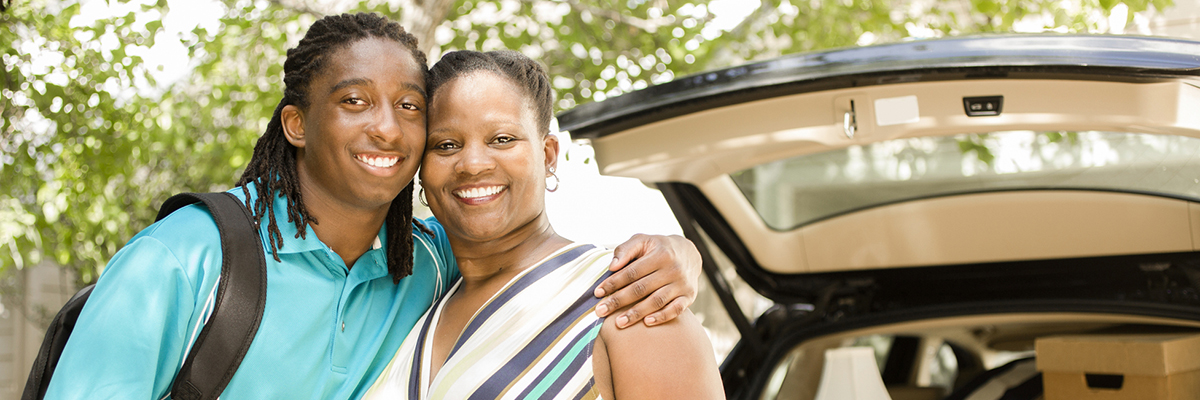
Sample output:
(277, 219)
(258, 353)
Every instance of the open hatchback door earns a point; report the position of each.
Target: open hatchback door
(946, 202)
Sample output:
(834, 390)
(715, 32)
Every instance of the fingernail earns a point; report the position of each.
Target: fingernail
(622, 321)
(650, 320)
(602, 309)
(599, 292)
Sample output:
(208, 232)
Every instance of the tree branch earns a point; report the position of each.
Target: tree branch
(765, 9)
(647, 25)
(422, 17)
(300, 7)
(739, 33)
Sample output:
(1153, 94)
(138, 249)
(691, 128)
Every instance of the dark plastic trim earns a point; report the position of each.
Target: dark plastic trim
(717, 281)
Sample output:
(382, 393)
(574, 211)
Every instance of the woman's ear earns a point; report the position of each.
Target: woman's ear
(550, 143)
(293, 125)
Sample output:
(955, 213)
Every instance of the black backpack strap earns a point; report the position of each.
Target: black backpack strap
(52, 345)
(241, 296)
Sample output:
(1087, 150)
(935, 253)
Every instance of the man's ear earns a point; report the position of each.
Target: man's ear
(293, 125)
(551, 149)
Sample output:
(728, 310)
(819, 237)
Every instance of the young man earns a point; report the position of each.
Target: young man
(348, 270)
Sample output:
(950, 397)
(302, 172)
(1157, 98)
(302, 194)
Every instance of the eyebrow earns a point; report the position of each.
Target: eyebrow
(417, 89)
(365, 82)
(350, 82)
(431, 132)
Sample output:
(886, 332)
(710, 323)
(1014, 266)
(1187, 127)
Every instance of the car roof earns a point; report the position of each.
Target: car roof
(1030, 55)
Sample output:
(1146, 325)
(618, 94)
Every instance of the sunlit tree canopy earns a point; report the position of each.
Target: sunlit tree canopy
(110, 107)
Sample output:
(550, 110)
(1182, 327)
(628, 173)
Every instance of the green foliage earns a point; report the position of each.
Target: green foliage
(72, 152)
(976, 144)
(90, 144)
(595, 49)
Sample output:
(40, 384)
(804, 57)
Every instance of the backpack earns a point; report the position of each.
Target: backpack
(225, 338)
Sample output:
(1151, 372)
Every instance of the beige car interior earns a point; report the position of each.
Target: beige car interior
(798, 375)
(703, 148)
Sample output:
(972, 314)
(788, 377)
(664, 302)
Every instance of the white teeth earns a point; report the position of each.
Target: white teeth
(478, 192)
(378, 162)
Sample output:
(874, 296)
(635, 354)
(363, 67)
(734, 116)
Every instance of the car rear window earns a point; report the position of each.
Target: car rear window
(793, 192)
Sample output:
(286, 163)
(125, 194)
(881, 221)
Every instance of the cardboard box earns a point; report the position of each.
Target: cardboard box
(1120, 367)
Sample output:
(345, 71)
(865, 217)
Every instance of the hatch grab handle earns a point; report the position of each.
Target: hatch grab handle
(850, 122)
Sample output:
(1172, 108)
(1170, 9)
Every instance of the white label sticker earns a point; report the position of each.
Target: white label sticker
(896, 110)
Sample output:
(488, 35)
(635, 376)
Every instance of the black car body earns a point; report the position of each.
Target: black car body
(975, 192)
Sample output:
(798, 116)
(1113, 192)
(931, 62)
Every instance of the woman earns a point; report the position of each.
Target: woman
(518, 324)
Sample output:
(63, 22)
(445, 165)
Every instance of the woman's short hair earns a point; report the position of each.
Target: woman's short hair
(523, 71)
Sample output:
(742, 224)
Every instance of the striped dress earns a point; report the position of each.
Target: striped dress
(532, 340)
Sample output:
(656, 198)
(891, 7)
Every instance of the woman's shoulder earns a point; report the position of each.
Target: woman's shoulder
(686, 326)
(671, 360)
(581, 264)
(589, 255)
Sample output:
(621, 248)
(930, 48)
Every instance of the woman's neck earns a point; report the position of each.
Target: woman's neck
(492, 263)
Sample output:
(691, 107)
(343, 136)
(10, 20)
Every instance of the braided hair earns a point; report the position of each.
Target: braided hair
(272, 168)
(526, 73)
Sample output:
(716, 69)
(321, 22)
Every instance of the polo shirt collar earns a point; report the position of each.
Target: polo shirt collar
(375, 259)
(292, 243)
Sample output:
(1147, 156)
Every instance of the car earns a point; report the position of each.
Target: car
(945, 203)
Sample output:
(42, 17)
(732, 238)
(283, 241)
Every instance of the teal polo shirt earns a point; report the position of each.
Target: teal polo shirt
(327, 330)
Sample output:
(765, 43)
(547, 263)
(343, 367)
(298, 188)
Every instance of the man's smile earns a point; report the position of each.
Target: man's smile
(377, 161)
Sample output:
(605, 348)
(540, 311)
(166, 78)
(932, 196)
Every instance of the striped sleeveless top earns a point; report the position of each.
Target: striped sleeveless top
(532, 340)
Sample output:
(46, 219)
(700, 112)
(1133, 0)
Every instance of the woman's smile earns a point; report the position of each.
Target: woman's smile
(479, 194)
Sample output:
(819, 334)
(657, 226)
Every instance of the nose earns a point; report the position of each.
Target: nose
(476, 158)
(385, 125)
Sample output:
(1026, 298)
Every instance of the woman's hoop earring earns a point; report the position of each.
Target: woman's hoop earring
(421, 197)
(548, 189)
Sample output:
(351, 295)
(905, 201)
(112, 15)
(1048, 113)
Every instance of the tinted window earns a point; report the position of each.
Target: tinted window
(792, 192)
